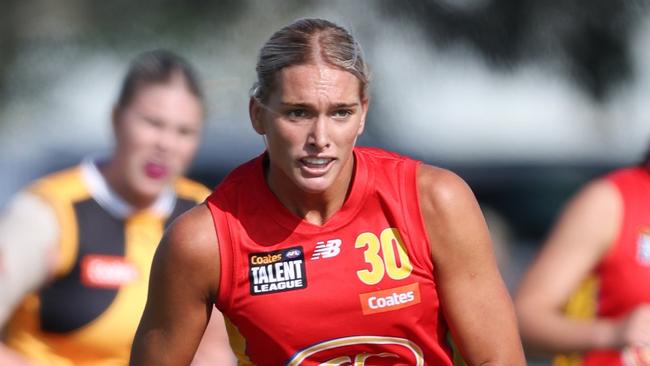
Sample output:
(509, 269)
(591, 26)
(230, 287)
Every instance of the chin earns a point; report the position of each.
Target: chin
(313, 186)
(153, 190)
(149, 190)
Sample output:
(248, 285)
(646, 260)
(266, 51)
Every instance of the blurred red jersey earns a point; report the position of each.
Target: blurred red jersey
(358, 290)
(624, 273)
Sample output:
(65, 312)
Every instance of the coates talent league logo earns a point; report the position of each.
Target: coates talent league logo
(277, 271)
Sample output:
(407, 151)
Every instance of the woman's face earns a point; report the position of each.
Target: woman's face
(311, 123)
(157, 135)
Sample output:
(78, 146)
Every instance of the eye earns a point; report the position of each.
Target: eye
(187, 131)
(154, 122)
(297, 114)
(342, 113)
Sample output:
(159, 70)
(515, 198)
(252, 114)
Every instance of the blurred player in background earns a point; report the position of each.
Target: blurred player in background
(587, 295)
(325, 253)
(76, 246)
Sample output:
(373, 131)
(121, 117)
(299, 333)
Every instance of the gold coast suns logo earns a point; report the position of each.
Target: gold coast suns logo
(360, 351)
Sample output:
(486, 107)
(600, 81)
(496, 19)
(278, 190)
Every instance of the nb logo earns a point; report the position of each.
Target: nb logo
(327, 250)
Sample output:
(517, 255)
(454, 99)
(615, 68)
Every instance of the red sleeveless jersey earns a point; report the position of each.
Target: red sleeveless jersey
(358, 290)
(624, 273)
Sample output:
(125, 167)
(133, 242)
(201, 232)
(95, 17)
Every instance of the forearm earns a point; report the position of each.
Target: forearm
(551, 333)
(484, 326)
(153, 348)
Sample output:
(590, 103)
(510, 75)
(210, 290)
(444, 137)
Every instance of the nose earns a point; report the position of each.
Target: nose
(166, 139)
(318, 138)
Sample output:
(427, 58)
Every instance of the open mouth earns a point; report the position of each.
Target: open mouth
(155, 171)
(316, 165)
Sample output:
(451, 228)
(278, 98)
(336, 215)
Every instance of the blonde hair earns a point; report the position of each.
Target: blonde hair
(304, 41)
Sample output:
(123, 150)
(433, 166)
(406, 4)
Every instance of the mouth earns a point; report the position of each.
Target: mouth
(316, 165)
(155, 171)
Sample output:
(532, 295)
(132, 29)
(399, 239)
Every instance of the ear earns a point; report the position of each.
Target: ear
(256, 112)
(364, 113)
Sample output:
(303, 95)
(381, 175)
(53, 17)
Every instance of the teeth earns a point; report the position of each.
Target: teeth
(316, 161)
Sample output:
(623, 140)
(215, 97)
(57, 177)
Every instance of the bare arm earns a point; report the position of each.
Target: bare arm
(473, 297)
(29, 232)
(9, 357)
(214, 348)
(577, 243)
(184, 282)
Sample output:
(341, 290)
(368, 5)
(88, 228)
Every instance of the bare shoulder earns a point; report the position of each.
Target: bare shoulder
(441, 190)
(190, 246)
(194, 228)
(595, 213)
(600, 194)
(453, 219)
(588, 224)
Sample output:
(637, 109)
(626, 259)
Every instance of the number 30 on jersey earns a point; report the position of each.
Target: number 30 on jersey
(382, 254)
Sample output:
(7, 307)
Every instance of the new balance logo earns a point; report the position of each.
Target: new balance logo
(327, 250)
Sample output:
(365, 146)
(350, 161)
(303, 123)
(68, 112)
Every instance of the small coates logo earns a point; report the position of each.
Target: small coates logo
(359, 351)
(107, 271)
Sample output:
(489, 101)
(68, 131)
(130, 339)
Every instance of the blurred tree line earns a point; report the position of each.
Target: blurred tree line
(588, 41)
(591, 37)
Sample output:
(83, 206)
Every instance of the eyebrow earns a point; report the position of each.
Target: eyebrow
(148, 118)
(305, 105)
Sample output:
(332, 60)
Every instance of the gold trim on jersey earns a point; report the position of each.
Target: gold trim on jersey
(59, 191)
(237, 343)
(189, 189)
(582, 305)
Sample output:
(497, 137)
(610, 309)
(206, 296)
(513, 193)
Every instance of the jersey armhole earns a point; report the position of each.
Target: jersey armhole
(224, 241)
(410, 197)
(67, 244)
(615, 248)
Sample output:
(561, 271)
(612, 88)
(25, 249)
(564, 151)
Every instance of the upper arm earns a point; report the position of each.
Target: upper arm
(183, 285)
(29, 233)
(578, 241)
(473, 296)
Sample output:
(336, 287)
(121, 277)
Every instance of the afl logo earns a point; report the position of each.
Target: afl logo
(360, 350)
(293, 253)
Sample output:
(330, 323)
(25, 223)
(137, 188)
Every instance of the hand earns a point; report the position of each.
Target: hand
(633, 331)
(636, 356)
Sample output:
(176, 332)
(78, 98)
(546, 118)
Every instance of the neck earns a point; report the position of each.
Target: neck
(114, 175)
(315, 208)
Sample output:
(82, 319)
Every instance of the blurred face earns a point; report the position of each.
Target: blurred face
(157, 135)
(311, 123)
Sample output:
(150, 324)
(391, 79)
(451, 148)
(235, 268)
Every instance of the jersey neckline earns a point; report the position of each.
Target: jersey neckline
(112, 202)
(362, 179)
